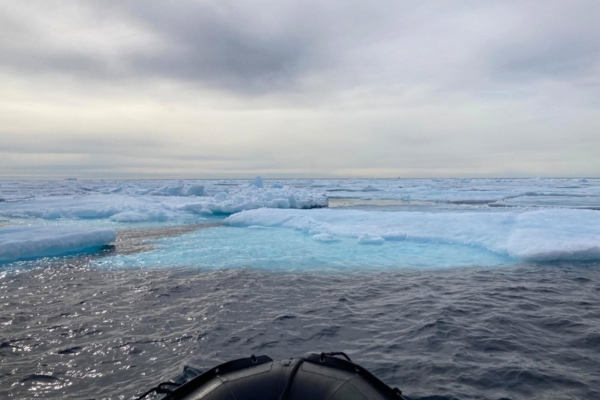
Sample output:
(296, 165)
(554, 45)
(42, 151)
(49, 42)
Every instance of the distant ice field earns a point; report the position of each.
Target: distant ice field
(310, 224)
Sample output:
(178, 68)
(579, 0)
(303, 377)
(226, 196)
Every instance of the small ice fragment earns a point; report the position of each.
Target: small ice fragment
(221, 196)
(129, 216)
(195, 190)
(258, 182)
(370, 188)
(169, 191)
(325, 238)
(370, 239)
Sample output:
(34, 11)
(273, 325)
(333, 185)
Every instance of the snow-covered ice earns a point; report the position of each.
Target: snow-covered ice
(122, 207)
(552, 234)
(439, 222)
(23, 242)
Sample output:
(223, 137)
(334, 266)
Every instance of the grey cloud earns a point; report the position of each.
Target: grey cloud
(559, 60)
(220, 49)
(203, 42)
(550, 41)
(257, 46)
(305, 88)
(269, 45)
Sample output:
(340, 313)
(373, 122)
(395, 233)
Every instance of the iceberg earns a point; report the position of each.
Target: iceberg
(26, 242)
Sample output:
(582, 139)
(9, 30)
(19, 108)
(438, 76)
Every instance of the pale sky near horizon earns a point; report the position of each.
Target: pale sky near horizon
(224, 89)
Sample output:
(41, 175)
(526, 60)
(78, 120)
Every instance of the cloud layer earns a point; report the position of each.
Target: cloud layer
(337, 88)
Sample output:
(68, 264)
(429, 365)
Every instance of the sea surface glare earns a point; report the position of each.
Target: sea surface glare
(447, 289)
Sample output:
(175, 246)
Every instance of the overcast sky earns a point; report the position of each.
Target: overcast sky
(327, 88)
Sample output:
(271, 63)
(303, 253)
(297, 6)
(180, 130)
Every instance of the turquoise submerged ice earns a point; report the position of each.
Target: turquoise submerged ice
(285, 224)
(343, 239)
(284, 249)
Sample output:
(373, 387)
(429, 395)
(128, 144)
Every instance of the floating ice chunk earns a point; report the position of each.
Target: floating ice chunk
(176, 190)
(221, 196)
(258, 227)
(370, 239)
(279, 203)
(169, 191)
(129, 216)
(258, 182)
(51, 214)
(325, 238)
(276, 186)
(253, 198)
(24, 242)
(370, 188)
(195, 190)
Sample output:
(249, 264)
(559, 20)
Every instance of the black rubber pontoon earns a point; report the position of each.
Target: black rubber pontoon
(314, 377)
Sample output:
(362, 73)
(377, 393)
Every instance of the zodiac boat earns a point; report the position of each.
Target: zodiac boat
(312, 377)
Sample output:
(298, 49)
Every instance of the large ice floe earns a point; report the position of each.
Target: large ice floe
(553, 234)
(23, 242)
(372, 222)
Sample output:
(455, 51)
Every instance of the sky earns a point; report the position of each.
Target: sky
(233, 89)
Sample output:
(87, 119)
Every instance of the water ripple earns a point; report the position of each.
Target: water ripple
(529, 331)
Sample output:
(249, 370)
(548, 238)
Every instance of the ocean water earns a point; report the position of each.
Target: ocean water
(461, 289)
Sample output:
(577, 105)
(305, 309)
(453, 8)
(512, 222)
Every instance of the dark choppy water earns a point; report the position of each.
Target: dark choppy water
(525, 332)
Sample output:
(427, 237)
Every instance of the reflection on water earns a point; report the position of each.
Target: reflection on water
(529, 331)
